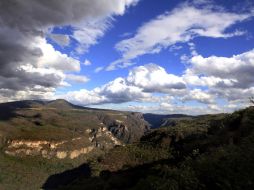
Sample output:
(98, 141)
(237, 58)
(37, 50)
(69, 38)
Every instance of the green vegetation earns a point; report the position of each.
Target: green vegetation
(56, 121)
(208, 152)
(185, 153)
(30, 173)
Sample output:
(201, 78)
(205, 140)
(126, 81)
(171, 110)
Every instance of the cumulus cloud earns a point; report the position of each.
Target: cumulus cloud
(205, 81)
(54, 59)
(116, 91)
(153, 78)
(234, 94)
(238, 68)
(229, 78)
(200, 96)
(27, 59)
(179, 25)
(139, 85)
(119, 91)
(83, 97)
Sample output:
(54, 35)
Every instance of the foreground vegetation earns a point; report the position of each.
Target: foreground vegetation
(208, 152)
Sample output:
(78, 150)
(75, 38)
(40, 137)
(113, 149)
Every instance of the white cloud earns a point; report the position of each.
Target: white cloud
(77, 78)
(180, 25)
(207, 81)
(55, 59)
(138, 86)
(238, 69)
(61, 39)
(98, 69)
(119, 64)
(153, 78)
(168, 93)
(38, 92)
(170, 108)
(119, 91)
(100, 14)
(234, 94)
(83, 97)
(200, 96)
(116, 91)
(88, 33)
(87, 62)
(228, 78)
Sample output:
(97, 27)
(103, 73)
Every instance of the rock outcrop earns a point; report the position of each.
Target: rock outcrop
(46, 149)
(97, 139)
(129, 129)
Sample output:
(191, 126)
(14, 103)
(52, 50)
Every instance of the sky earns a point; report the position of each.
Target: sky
(163, 56)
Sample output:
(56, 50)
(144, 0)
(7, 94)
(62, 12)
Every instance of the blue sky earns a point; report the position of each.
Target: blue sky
(163, 56)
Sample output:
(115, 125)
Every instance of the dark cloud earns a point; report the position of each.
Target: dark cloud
(24, 26)
(33, 15)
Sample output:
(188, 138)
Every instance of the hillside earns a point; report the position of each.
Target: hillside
(39, 138)
(208, 152)
(58, 145)
(157, 120)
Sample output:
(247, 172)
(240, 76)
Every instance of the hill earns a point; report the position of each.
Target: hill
(207, 152)
(39, 138)
(58, 145)
(157, 120)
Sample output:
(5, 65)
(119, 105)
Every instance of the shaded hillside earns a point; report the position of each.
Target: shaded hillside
(208, 152)
(40, 138)
(156, 120)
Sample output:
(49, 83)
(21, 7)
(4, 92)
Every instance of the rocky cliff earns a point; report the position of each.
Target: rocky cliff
(129, 127)
(59, 129)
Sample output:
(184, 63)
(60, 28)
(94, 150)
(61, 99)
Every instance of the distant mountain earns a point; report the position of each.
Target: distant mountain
(61, 104)
(157, 120)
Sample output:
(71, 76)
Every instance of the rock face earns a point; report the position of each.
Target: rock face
(101, 136)
(130, 128)
(76, 153)
(46, 149)
(71, 149)
(126, 129)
